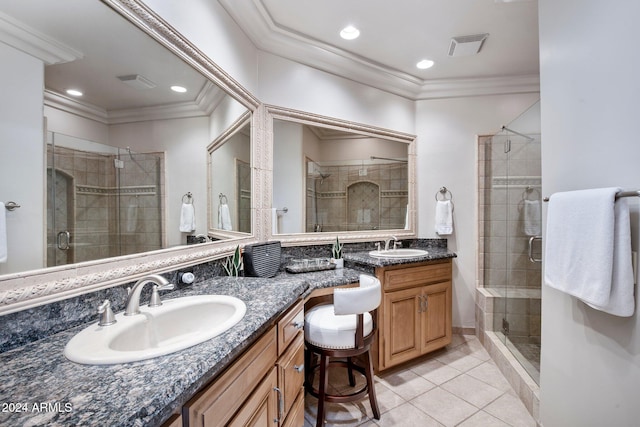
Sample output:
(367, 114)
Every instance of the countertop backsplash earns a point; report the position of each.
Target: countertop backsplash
(32, 324)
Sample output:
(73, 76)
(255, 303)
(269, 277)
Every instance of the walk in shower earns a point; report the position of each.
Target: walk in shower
(102, 201)
(510, 234)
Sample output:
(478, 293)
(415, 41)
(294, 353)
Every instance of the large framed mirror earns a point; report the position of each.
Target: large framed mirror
(339, 178)
(103, 177)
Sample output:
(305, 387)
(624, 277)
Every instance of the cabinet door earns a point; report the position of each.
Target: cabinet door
(436, 316)
(260, 410)
(401, 326)
(291, 373)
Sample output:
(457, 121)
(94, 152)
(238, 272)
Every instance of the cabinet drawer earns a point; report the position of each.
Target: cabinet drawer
(290, 326)
(291, 372)
(217, 403)
(415, 276)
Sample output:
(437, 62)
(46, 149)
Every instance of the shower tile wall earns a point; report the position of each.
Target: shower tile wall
(504, 266)
(382, 209)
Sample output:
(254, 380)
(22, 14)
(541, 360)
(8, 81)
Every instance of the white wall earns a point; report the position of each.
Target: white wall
(208, 26)
(22, 161)
(447, 156)
(289, 176)
(291, 85)
(590, 363)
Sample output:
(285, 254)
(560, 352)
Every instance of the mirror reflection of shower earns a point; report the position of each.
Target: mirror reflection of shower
(353, 195)
(102, 201)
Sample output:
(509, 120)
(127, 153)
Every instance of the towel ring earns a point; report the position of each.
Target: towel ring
(529, 191)
(189, 197)
(444, 191)
(223, 199)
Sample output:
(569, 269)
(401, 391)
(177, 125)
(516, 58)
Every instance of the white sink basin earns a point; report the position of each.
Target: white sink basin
(399, 253)
(175, 325)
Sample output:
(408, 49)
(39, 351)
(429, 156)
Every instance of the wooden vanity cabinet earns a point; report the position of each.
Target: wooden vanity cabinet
(263, 388)
(415, 315)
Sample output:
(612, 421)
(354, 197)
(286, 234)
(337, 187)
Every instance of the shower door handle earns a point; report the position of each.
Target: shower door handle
(63, 239)
(531, 239)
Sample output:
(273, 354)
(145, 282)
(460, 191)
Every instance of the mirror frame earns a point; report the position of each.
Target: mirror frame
(298, 239)
(33, 288)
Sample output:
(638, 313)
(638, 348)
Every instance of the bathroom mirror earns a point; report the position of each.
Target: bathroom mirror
(127, 106)
(230, 182)
(339, 178)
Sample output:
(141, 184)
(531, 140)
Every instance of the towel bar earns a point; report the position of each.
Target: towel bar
(634, 193)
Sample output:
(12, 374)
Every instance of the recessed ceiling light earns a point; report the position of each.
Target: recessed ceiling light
(424, 64)
(74, 92)
(349, 32)
(179, 89)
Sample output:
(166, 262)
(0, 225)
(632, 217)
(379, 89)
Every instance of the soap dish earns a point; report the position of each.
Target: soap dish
(309, 265)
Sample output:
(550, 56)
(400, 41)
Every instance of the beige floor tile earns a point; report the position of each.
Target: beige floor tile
(510, 409)
(489, 373)
(473, 347)
(444, 407)
(387, 399)
(406, 383)
(406, 415)
(482, 419)
(459, 360)
(337, 414)
(435, 371)
(472, 390)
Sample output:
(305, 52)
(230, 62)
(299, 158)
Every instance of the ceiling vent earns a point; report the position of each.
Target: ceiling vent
(137, 81)
(467, 45)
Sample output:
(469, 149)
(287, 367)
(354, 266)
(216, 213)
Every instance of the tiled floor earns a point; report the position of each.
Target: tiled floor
(456, 386)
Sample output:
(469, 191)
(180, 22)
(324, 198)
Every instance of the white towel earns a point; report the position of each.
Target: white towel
(132, 218)
(187, 218)
(532, 218)
(224, 217)
(406, 218)
(3, 233)
(444, 217)
(588, 249)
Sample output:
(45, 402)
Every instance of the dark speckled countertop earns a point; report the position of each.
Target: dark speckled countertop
(39, 386)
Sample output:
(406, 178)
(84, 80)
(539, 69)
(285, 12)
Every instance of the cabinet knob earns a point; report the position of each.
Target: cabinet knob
(298, 368)
(298, 324)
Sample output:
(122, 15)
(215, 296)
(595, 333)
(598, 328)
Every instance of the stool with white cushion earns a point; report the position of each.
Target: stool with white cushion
(343, 330)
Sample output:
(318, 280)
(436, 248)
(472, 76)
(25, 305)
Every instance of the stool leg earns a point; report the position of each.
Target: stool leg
(324, 383)
(371, 386)
(308, 374)
(352, 379)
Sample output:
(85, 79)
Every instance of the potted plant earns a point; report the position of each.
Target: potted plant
(336, 254)
(233, 264)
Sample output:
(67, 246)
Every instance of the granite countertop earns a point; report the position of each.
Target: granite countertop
(41, 387)
(363, 258)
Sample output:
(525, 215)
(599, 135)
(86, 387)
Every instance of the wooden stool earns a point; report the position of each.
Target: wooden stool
(343, 330)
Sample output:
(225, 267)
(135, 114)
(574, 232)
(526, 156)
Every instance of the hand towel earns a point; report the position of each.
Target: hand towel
(582, 239)
(444, 217)
(406, 218)
(224, 217)
(3, 233)
(132, 218)
(532, 218)
(187, 218)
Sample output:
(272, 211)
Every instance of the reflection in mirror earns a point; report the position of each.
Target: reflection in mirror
(334, 180)
(102, 201)
(121, 156)
(230, 182)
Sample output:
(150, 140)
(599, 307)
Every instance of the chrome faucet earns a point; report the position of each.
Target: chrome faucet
(133, 300)
(386, 243)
